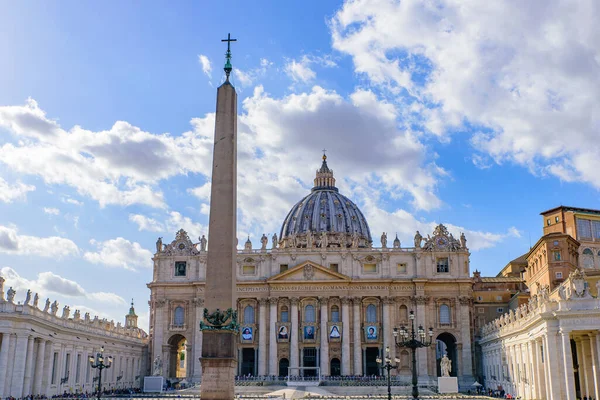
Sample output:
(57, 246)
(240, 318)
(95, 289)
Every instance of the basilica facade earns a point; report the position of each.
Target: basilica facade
(320, 298)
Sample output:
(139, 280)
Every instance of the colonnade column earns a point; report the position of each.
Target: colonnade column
(324, 336)
(273, 335)
(39, 367)
(357, 302)
(585, 353)
(28, 367)
(6, 337)
(345, 336)
(294, 336)
(595, 369)
(387, 327)
(538, 367)
(197, 372)
(567, 366)
(19, 366)
(421, 301)
(262, 337)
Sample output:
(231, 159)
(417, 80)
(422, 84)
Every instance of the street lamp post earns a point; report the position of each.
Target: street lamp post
(387, 365)
(413, 340)
(99, 363)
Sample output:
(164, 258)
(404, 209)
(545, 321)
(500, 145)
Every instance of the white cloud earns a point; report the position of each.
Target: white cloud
(173, 222)
(11, 242)
(525, 77)
(49, 283)
(206, 65)
(120, 253)
(145, 223)
(10, 193)
(300, 71)
(69, 200)
(51, 210)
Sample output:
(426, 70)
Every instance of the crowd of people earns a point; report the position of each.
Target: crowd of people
(79, 395)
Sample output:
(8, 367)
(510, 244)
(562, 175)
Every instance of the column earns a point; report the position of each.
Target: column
(48, 368)
(39, 367)
(595, 369)
(19, 366)
(28, 367)
(294, 337)
(421, 301)
(273, 336)
(540, 382)
(197, 373)
(465, 334)
(584, 365)
(387, 327)
(262, 337)
(6, 337)
(346, 336)
(567, 366)
(324, 336)
(357, 304)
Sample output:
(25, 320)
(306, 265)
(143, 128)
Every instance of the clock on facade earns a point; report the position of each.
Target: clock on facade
(441, 241)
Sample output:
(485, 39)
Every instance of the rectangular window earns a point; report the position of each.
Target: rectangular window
(285, 316)
(596, 229)
(54, 362)
(442, 265)
(498, 298)
(556, 219)
(499, 310)
(584, 229)
(283, 268)
(481, 310)
(548, 222)
(333, 267)
(77, 371)
(556, 255)
(401, 268)
(369, 268)
(559, 275)
(479, 298)
(248, 270)
(180, 267)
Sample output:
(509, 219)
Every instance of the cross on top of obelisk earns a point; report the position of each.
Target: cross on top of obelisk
(228, 66)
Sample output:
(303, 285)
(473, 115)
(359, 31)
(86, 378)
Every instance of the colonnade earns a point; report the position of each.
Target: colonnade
(32, 364)
(543, 366)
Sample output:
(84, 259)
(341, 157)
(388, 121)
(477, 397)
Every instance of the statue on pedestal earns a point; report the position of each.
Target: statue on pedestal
(263, 242)
(157, 366)
(159, 245)
(54, 307)
(445, 365)
(47, 306)
(324, 240)
(36, 299)
(463, 240)
(384, 240)
(203, 243)
(28, 297)
(274, 240)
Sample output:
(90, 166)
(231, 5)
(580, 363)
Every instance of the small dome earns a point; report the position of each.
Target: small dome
(325, 218)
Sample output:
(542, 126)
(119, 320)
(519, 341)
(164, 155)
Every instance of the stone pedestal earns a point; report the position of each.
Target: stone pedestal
(447, 384)
(219, 365)
(153, 384)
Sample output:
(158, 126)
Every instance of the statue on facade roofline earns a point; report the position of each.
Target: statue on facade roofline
(418, 240)
(324, 241)
(159, 245)
(203, 243)
(54, 307)
(383, 240)
(309, 240)
(463, 240)
(47, 306)
(66, 311)
(263, 242)
(36, 299)
(77, 315)
(10, 295)
(28, 297)
(274, 241)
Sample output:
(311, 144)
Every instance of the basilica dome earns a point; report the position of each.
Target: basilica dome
(325, 218)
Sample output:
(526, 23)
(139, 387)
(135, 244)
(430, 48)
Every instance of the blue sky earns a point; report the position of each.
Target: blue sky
(479, 116)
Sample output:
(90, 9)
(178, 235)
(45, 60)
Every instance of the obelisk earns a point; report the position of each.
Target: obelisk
(219, 327)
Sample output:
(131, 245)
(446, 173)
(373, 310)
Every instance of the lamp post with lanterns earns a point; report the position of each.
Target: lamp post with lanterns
(386, 364)
(413, 340)
(100, 364)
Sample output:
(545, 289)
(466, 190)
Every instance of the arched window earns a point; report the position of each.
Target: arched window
(403, 313)
(335, 314)
(371, 313)
(249, 315)
(285, 316)
(444, 314)
(309, 313)
(588, 258)
(179, 316)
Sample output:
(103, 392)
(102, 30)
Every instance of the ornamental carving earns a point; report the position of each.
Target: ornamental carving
(273, 300)
(309, 272)
(387, 300)
(220, 321)
(420, 299)
(263, 302)
(465, 300)
(442, 240)
(181, 246)
(294, 301)
(160, 303)
(345, 300)
(198, 302)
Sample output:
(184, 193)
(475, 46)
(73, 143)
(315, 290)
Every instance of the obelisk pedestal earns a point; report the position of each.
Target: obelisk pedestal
(219, 327)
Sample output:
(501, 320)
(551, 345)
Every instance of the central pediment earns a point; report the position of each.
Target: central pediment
(308, 271)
